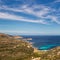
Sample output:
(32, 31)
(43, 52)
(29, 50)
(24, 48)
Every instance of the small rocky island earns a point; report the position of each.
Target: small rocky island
(12, 48)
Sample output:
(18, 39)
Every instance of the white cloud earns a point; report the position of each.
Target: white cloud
(19, 18)
(39, 11)
(56, 1)
(53, 19)
(43, 10)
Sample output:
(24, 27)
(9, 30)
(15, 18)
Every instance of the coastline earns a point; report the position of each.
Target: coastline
(22, 48)
(42, 47)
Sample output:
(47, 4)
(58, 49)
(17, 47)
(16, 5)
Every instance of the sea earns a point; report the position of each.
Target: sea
(44, 42)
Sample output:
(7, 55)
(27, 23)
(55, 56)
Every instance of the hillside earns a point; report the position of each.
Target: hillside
(53, 54)
(14, 49)
(17, 49)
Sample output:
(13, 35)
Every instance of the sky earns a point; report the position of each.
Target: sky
(30, 17)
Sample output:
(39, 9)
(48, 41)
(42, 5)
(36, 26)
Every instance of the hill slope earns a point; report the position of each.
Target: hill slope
(14, 49)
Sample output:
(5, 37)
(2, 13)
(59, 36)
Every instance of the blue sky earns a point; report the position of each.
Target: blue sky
(30, 17)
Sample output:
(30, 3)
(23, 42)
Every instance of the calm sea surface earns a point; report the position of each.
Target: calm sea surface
(44, 42)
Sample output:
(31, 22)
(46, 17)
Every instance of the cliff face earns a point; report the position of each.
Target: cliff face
(16, 49)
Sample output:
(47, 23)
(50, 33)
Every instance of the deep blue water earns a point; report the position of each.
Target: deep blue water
(44, 42)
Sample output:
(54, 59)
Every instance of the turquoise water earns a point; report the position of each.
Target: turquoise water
(45, 42)
(47, 47)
